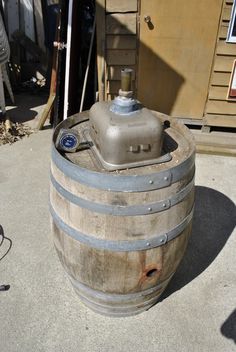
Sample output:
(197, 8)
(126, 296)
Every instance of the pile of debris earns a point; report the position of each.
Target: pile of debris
(12, 132)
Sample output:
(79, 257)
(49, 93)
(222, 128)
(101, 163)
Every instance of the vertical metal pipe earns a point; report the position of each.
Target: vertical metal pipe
(126, 79)
(88, 66)
(68, 52)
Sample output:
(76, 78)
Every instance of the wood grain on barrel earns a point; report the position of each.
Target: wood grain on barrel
(111, 227)
(119, 272)
(122, 272)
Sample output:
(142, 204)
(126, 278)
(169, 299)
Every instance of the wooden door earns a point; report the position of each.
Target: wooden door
(176, 51)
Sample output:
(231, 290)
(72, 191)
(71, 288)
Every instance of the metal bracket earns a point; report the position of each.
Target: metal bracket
(118, 210)
(121, 246)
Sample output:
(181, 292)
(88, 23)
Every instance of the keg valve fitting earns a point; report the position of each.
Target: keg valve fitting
(125, 104)
(126, 83)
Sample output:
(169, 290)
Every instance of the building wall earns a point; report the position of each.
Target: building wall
(118, 47)
(117, 43)
(219, 111)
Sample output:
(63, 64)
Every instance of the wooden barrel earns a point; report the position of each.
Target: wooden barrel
(121, 235)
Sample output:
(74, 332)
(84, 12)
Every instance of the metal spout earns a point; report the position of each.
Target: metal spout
(126, 79)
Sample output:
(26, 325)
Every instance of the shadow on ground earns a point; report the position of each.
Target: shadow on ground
(213, 223)
(26, 107)
(228, 329)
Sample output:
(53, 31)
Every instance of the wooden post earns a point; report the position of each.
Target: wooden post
(46, 112)
(49, 106)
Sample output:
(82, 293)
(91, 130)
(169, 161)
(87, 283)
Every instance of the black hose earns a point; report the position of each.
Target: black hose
(3, 238)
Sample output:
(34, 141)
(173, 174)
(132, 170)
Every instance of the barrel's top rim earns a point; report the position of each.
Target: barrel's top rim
(113, 181)
(84, 116)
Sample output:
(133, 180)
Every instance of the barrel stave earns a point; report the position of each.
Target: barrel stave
(117, 245)
(119, 272)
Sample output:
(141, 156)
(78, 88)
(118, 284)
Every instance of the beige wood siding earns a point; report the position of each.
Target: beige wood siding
(200, 95)
(118, 39)
(219, 111)
(176, 52)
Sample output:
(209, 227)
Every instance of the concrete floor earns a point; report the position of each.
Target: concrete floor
(27, 108)
(41, 312)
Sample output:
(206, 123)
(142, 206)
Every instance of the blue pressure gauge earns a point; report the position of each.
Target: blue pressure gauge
(67, 140)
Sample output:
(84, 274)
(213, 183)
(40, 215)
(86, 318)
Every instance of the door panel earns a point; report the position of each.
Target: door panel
(176, 53)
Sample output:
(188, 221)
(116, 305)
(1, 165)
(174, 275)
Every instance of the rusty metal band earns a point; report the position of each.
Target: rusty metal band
(123, 245)
(122, 183)
(120, 210)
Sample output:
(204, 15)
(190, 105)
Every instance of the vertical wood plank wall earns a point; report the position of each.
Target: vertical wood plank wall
(117, 38)
(219, 111)
(27, 18)
(11, 12)
(118, 44)
(38, 15)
